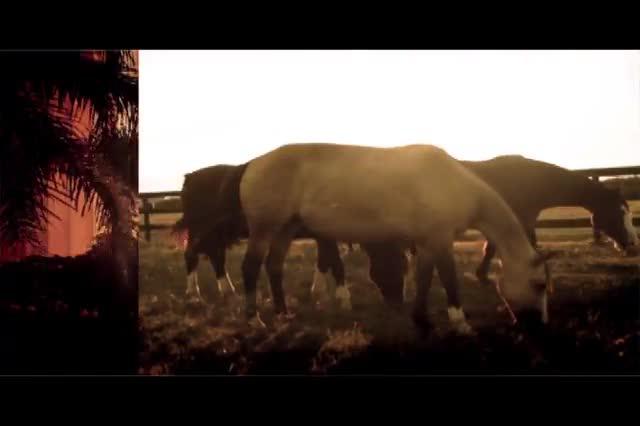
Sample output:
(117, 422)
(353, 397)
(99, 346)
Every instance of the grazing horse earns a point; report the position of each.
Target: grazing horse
(206, 196)
(414, 194)
(205, 191)
(528, 186)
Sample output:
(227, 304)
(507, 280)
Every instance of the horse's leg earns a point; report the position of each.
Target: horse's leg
(447, 273)
(424, 276)
(191, 263)
(275, 265)
(387, 266)
(217, 256)
(331, 254)
(222, 260)
(329, 258)
(408, 272)
(256, 250)
(482, 272)
(323, 265)
(598, 237)
(531, 234)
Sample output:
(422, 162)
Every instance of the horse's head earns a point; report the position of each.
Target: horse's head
(613, 216)
(524, 288)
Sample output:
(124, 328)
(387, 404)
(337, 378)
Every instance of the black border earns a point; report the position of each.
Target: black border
(319, 26)
(427, 29)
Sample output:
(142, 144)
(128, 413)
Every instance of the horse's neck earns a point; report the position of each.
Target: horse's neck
(576, 191)
(498, 223)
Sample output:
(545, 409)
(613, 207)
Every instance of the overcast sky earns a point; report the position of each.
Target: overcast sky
(577, 109)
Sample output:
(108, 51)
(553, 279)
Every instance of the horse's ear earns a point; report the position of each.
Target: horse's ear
(542, 258)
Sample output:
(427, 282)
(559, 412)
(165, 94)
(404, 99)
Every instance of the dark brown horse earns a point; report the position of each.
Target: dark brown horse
(530, 186)
(214, 221)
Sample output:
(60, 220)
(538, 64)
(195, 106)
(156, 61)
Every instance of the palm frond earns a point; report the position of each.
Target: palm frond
(87, 84)
(42, 96)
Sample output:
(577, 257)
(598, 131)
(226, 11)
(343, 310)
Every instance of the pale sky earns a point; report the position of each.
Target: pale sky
(576, 109)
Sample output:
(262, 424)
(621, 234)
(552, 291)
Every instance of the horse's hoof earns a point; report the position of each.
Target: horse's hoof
(344, 298)
(459, 322)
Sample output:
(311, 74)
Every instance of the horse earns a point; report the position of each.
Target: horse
(204, 196)
(414, 194)
(528, 186)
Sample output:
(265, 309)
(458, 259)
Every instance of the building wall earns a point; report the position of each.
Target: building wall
(73, 233)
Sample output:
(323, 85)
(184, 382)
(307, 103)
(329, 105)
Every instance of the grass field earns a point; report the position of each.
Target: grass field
(595, 319)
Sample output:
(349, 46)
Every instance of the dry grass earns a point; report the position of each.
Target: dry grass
(594, 328)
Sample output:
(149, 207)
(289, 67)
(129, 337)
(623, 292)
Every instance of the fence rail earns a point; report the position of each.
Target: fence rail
(147, 209)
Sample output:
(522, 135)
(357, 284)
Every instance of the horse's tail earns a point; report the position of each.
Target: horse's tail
(180, 232)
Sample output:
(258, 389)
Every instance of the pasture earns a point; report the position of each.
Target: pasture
(594, 328)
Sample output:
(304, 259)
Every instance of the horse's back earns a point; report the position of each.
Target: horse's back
(294, 167)
(294, 157)
(356, 188)
(524, 182)
(207, 177)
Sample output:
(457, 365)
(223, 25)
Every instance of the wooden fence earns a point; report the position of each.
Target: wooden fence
(147, 209)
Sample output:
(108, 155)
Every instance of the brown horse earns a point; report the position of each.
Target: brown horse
(415, 194)
(207, 195)
(528, 186)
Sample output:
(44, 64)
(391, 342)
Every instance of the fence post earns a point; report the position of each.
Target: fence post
(147, 222)
(598, 237)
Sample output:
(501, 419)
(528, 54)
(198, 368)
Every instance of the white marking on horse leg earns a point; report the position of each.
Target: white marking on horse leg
(192, 285)
(344, 297)
(458, 321)
(230, 283)
(225, 285)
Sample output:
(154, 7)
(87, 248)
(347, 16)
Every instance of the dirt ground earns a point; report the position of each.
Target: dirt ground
(594, 320)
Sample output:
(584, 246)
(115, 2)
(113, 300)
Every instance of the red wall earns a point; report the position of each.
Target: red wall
(72, 234)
